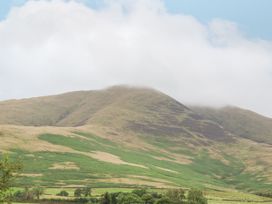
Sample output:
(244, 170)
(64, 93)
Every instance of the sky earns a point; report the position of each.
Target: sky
(201, 52)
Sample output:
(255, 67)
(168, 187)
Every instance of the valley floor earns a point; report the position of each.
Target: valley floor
(213, 196)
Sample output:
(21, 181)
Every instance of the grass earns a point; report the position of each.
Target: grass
(202, 172)
(116, 112)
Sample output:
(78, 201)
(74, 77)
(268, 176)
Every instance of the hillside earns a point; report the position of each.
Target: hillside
(140, 110)
(126, 136)
(240, 122)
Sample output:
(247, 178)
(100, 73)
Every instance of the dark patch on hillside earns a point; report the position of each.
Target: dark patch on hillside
(157, 130)
(240, 122)
(208, 129)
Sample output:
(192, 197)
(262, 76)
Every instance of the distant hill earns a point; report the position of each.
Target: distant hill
(240, 122)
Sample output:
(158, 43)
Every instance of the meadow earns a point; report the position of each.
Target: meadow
(99, 162)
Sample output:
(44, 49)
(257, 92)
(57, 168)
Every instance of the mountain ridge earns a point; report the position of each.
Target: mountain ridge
(141, 110)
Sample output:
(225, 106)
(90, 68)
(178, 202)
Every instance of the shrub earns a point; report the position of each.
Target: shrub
(86, 192)
(266, 193)
(176, 195)
(63, 193)
(18, 196)
(8, 171)
(78, 192)
(26, 195)
(139, 192)
(113, 197)
(196, 197)
(129, 198)
(148, 198)
(156, 195)
(163, 200)
(106, 198)
(37, 192)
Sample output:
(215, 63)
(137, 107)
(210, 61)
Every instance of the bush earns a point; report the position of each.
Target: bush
(113, 197)
(176, 195)
(93, 200)
(129, 198)
(106, 198)
(63, 193)
(37, 192)
(163, 200)
(139, 192)
(8, 170)
(148, 198)
(18, 196)
(86, 192)
(26, 195)
(196, 197)
(78, 192)
(156, 195)
(264, 193)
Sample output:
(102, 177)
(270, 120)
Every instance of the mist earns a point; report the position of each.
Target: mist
(49, 47)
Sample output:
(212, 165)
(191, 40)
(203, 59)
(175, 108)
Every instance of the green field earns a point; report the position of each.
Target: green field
(142, 165)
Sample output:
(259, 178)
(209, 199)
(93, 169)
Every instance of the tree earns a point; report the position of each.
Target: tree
(78, 192)
(156, 195)
(28, 194)
(113, 197)
(147, 198)
(37, 192)
(86, 191)
(8, 171)
(19, 196)
(63, 193)
(176, 195)
(129, 198)
(139, 192)
(163, 200)
(106, 198)
(196, 197)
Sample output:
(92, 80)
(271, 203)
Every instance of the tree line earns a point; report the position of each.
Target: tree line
(137, 196)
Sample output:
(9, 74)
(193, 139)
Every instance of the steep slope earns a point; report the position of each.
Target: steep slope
(240, 122)
(40, 111)
(141, 110)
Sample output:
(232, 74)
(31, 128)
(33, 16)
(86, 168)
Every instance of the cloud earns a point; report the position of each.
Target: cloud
(48, 47)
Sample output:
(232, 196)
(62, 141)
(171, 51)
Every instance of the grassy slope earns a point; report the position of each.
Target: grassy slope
(200, 173)
(160, 142)
(204, 171)
(243, 123)
(138, 110)
(77, 108)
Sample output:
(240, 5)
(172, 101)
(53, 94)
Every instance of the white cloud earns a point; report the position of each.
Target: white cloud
(54, 46)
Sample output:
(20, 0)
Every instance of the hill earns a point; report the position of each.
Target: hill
(140, 110)
(126, 136)
(240, 122)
